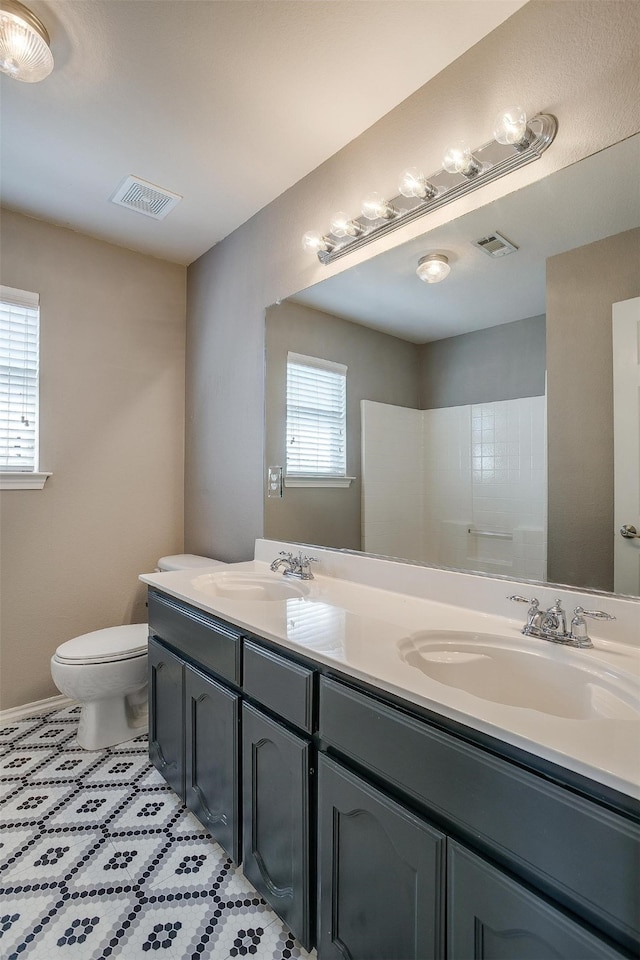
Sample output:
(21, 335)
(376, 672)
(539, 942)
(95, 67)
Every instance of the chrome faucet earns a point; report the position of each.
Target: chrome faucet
(298, 567)
(551, 624)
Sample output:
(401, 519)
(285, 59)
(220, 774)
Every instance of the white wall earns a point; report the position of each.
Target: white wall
(436, 484)
(575, 59)
(112, 400)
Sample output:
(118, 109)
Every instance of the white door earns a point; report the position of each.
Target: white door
(626, 438)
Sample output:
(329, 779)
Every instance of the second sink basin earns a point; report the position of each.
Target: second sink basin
(248, 586)
(503, 671)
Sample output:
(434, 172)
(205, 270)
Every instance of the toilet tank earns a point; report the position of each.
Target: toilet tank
(183, 561)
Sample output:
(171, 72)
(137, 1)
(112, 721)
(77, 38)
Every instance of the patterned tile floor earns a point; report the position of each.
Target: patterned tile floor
(98, 859)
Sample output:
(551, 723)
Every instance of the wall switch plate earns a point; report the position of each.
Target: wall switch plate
(274, 482)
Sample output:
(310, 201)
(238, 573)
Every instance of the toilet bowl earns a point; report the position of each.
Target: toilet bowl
(106, 672)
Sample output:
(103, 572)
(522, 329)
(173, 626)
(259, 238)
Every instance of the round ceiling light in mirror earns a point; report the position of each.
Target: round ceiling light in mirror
(433, 268)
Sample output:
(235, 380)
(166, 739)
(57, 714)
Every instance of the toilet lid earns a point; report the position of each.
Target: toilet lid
(183, 561)
(100, 646)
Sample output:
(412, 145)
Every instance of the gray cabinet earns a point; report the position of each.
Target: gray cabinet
(276, 818)
(166, 727)
(492, 917)
(194, 741)
(381, 874)
(212, 758)
(430, 843)
(580, 856)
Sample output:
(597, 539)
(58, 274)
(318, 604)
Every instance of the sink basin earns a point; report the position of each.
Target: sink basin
(248, 586)
(507, 672)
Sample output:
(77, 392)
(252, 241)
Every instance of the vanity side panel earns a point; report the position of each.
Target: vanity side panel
(585, 855)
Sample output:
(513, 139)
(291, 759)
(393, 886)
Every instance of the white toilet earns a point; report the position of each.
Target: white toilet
(106, 672)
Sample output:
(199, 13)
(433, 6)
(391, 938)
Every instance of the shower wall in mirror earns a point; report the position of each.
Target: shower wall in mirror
(462, 486)
(533, 327)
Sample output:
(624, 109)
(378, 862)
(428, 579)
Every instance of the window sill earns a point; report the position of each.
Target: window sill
(318, 481)
(23, 481)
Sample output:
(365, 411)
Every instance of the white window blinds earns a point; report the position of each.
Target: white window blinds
(19, 334)
(316, 417)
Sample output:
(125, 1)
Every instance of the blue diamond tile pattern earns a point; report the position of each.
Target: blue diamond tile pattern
(99, 860)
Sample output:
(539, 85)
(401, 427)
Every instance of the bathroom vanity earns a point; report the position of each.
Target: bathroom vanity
(376, 820)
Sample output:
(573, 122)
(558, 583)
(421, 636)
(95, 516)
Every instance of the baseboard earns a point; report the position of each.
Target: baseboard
(32, 709)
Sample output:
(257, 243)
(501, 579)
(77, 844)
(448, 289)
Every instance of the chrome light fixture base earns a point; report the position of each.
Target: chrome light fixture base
(495, 161)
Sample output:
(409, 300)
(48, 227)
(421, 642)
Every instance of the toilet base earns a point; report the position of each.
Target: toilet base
(113, 720)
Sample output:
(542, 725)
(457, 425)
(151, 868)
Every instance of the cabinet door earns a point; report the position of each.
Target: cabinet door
(166, 727)
(492, 917)
(276, 801)
(381, 873)
(211, 758)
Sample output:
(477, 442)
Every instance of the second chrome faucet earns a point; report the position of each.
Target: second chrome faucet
(551, 624)
(298, 567)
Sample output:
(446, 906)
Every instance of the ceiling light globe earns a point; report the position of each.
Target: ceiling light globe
(510, 126)
(314, 242)
(24, 44)
(433, 268)
(375, 207)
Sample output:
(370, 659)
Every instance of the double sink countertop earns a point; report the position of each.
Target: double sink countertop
(578, 708)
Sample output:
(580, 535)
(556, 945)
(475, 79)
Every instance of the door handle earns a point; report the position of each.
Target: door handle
(629, 532)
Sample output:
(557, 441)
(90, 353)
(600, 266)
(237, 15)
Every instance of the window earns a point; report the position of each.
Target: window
(316, 422)
(19, 335)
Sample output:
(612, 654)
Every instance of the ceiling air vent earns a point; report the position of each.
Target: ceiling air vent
(495, 245)
(145, 198)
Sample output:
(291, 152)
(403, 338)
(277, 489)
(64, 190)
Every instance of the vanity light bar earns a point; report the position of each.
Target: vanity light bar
(463, 171)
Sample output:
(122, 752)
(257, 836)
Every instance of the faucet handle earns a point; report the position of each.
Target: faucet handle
(579, 633)
(533, 602)
(596, 614)
(305, 566)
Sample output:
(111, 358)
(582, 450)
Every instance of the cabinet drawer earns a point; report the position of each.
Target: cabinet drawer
(281, 685)
(208, 642)
(585, 855)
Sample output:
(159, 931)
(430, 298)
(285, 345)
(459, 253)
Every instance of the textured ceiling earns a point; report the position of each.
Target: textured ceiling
(226, 102)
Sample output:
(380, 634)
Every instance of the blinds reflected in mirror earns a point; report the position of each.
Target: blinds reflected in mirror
(316, 417)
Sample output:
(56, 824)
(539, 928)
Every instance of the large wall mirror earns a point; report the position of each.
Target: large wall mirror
(480, 410)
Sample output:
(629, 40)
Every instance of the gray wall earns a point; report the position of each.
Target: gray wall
(500, 363)
(380, 367)
(112, 426)
(581, 287)
(537, 57)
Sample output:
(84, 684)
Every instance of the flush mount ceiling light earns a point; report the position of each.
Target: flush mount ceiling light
(433, 268)
(516, 141)
(25, 53)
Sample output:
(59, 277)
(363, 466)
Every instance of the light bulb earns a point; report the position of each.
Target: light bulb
(375, 207)
(24, 44)
(510, 125)
(413, 183)
(511, 128)
(433, 268)
(314, 242)
(459, 159)
(342, 225)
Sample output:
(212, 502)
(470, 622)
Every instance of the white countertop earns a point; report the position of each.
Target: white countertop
(357, 628)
